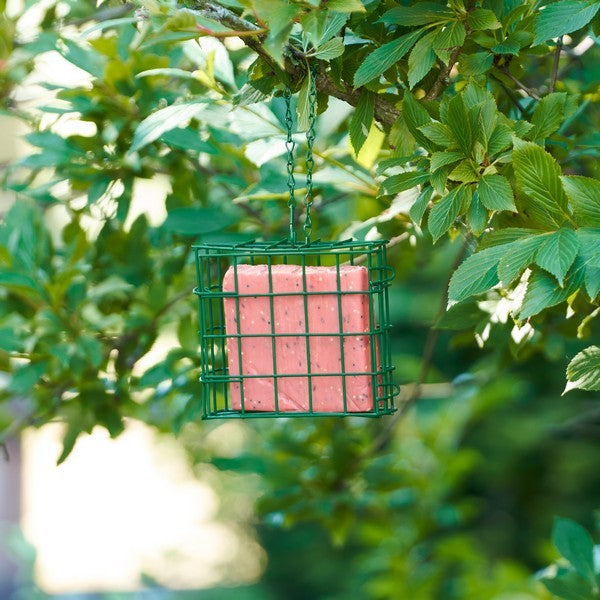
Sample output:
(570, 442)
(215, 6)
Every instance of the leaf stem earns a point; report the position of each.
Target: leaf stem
(559, 45)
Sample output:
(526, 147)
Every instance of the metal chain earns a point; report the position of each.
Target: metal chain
(310, 139)
(290, 145)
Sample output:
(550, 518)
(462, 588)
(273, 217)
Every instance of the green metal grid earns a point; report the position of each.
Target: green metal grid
(213, 260)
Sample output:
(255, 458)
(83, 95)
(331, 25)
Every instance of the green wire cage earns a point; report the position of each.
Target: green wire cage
(295, 328)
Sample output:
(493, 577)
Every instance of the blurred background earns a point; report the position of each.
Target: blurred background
(456, 501)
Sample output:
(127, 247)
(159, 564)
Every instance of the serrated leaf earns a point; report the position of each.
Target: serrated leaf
(163, 120)
(589, 240)
(444, 213)
(417, 210)
(475, 64)
(403, 181)
(584, 196)
(521, 255)
(422, 13)
(482, 18)
(415, 117)
(384, 57)
(421, 59)
(548, 115)
(563, 17)
(571, 539)
(495, 193)
(460, 124)
(583, 373)
(477, 216)
(543, 292)
(345, 6)
(450, 36)
(439, 134)
(464, 173)
(362, 118)
(330, 49)
(441, 159)
(538, 175)
(500, 139)
(476, 274)
(557, 253)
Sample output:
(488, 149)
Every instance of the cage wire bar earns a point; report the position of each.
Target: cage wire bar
(212, 262)
(221, 348)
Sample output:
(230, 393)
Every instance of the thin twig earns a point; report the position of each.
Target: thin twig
(443, 78)
(426, 360)
(559, 45)
(509, 93)
(521, 85)
(393, 242)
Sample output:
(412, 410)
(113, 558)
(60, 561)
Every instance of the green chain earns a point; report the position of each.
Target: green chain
(310, 139)
(290, 144)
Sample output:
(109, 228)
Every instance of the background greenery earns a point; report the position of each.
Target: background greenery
(466, 132)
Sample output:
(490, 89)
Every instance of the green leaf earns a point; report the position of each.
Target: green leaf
(163, 120)
(384, 57)
(279, 16)
(441, 159)
(475, 64)
(48, 140)
(583, 373)
(563, 17)
(85, 58)
(444, 213)
(589, 240)
(415, 117)
(482, 18)
(571, 539)
(421, 59)
(538, 175)
(187, 139)
(195, 221)
(543, 292)
(495, 193)
(548, 115)
(477, 216)
(345, 6)
(71, 435)
(464, 173)
(417, 210)
(330, 49)
(584, 196)
(476, 274)
(557, 253)
(402, 181)
(460, 124)
(451, 36)
(521, 255)
(568, 586)
(362, 118)
(439, 134)
(303, 107)
(24, 378)
(421, 13)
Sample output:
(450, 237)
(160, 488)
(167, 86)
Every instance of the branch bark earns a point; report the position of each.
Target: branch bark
(385, 112)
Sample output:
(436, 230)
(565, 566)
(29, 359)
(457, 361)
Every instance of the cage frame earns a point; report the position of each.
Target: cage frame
(216, 255)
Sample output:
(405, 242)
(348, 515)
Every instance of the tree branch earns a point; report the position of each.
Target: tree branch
(385, 112)
(443, 78)
(426, 361)
(559, 45)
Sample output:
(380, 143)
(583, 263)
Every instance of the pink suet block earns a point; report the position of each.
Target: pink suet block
(291, 353)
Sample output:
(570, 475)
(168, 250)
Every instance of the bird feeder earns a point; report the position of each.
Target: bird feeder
(293, 328)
